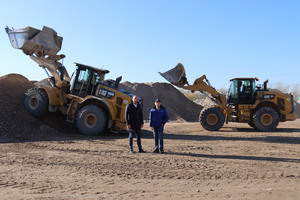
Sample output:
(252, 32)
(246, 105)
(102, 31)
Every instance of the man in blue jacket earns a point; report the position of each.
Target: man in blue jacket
(157, 118)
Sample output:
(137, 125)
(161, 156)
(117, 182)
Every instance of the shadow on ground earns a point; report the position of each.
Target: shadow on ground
(236, 157)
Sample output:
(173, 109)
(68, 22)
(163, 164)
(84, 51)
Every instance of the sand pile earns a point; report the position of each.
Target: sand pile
(178, 106)
(205, 102)
(15, 120)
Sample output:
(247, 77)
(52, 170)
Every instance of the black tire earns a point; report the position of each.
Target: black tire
(36, 102)
(211, 118)
(251, 123)
(266, 119)
(91, 120)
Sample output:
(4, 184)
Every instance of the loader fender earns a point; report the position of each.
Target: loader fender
(266, 104)
(102, 103)
(54, 95)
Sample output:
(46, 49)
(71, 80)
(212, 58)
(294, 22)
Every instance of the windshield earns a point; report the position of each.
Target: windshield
(233, 90)
(241, 91)
(98, 77)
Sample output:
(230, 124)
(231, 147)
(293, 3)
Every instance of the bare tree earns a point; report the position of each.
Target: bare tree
(296, 91)
(287, 88)
(283, 87)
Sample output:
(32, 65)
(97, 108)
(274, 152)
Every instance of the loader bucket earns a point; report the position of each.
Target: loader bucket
(33, 41)
(176, 76)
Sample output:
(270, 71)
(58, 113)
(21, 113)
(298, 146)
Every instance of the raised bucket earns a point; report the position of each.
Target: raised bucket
(33, 41)
(176, 76)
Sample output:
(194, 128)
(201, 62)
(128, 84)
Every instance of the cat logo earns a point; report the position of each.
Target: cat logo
(269, 96)
(106, 93)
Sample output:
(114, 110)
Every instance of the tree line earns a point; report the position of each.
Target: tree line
(283, 87)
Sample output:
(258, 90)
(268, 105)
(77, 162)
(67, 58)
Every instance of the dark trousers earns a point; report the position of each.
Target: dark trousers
(158, 133)
(135, 133)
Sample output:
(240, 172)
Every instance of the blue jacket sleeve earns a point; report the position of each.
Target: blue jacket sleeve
(150, 119)
(166, 117)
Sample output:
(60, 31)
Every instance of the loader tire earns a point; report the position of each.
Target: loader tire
(212, 118)
(266, 119)
(251, 123)
(36, 102)
(91, 120)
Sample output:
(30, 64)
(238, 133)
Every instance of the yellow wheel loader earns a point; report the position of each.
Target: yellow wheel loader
(246, 102)
(87, 99)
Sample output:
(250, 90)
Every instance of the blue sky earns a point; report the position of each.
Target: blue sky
(138, 38)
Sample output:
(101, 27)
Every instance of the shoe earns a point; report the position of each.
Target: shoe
(155, 151)
(142, 151)
(162, 151)
(130, 151)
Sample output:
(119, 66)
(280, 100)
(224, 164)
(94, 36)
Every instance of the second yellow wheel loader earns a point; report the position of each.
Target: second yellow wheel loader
(246, 102)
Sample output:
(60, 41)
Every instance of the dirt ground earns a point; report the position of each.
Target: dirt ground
(233, 163)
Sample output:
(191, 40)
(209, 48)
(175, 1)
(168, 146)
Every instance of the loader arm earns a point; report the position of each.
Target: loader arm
(203, 87)
(176, 76)
(57, 70)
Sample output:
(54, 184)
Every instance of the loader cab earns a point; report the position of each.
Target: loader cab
(86, 80)
(241, 91)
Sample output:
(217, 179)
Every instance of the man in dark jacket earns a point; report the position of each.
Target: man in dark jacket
(134, 121)
(157, 118)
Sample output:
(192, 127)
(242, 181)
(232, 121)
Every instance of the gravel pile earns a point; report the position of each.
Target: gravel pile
(179, 107)
(15, 120)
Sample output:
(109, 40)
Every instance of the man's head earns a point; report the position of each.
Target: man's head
(135, 99)
(157, 103)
